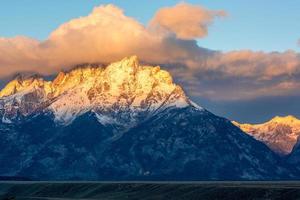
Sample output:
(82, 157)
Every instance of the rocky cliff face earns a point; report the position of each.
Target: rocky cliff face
(122, 122)
(280, 133)
(122, 87)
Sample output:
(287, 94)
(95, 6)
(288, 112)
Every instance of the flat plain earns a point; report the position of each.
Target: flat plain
(26, 190)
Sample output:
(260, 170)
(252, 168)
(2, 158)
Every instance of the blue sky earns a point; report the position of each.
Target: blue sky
(252, 24)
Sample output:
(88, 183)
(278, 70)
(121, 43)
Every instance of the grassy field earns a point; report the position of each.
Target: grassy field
(150, 190)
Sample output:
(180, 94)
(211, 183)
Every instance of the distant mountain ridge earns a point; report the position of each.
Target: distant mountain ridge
(122, 122)
(280, 133)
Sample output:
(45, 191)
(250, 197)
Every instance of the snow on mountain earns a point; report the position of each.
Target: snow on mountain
(280, 133)
(121, 87)
(23, 96)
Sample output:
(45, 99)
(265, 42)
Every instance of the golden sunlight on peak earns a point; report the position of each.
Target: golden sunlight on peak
(289, 119)
(116, 75)
(21, 83)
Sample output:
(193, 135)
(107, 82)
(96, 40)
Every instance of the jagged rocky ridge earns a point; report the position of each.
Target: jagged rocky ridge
(280, 133)
(123, 86)
(122, 122)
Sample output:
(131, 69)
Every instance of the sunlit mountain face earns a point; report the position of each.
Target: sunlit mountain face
(280, 133)
(123, 86)
(124, 121)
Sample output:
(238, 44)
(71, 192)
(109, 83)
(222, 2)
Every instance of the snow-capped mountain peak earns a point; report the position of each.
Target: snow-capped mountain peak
(21, 84)
(124, 87)
(279, 133)
(288, 120)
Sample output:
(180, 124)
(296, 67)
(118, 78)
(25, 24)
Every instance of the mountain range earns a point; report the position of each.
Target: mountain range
(126, 121)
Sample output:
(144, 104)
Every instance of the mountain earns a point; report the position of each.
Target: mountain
(122, 122)
(280, 133)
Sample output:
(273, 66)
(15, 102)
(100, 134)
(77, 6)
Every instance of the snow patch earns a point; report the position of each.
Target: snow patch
(195, 105)
(104, 120)
(6, 120)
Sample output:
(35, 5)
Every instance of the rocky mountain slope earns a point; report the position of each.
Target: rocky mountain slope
(280, 133)
(122, 122)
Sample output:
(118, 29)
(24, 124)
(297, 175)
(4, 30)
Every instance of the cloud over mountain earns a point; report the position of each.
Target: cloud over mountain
(107, 34)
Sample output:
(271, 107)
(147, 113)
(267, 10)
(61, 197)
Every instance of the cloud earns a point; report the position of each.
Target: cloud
(258, 65)
(13, 53)
(243, 75)
(107, 35)
(185, 20)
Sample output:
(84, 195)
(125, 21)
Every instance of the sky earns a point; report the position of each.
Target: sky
(239, 59)
(251, 24)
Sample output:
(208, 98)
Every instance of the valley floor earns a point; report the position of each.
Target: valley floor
(11, 190)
